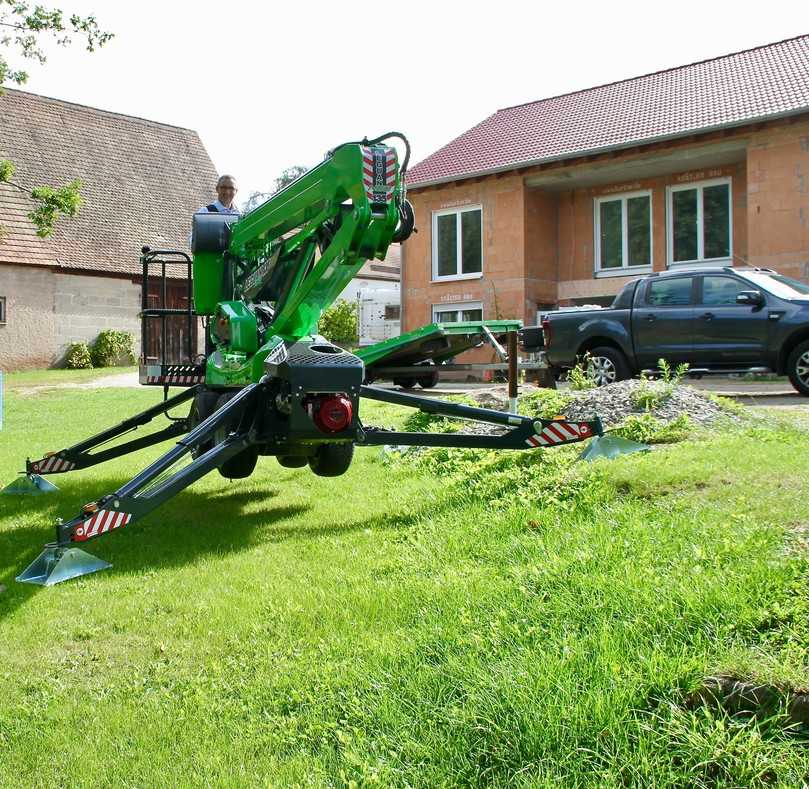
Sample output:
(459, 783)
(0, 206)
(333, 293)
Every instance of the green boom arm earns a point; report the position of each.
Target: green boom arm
(268, 277)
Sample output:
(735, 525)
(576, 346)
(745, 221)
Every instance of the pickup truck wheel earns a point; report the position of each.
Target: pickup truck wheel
(798, 367)
(606, 366)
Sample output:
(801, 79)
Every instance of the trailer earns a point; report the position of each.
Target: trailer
(419, 357)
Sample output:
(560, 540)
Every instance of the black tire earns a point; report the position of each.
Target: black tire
(239, 466)
(428, 381)
(405, 383)
(606, 365)
(332, 460)
(798, 367)
(292, 461)
(203, 405)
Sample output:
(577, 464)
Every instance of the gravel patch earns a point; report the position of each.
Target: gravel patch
(614, 403)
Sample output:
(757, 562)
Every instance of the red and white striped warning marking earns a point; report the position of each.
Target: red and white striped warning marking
(376, 194)
(52, 465)
(559, 433)
(102, 521)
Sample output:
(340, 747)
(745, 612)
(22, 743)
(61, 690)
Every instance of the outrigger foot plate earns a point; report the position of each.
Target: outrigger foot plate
(56, 564)
(29, 485)
(608, 446)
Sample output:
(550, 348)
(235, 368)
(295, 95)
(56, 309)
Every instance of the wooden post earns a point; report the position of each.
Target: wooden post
(512, 372)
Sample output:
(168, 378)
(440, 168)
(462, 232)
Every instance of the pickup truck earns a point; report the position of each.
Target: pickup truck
(718, 320)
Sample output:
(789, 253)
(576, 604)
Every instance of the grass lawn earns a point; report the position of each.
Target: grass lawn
(31, 378)
(404, 628)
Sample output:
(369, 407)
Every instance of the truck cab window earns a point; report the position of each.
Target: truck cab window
(718, 291)
(669, 292)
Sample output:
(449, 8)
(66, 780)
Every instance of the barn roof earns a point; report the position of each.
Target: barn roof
(141, 182)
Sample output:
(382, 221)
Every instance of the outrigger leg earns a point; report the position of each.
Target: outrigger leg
(526, 432)
(80, 455)
(60, 561)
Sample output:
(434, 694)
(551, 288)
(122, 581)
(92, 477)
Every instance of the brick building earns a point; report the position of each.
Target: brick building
(561, 201)
(142, 180)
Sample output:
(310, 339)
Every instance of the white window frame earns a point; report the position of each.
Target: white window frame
(625, 269)
(458, 306)
(701, 260)
(459, 242)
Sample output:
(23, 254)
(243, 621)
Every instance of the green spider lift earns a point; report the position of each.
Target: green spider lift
(267, 384)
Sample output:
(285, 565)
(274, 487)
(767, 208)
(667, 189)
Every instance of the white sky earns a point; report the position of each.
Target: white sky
(268, 85)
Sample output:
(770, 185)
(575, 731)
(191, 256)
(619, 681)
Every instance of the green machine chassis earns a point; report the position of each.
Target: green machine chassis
(268, 385)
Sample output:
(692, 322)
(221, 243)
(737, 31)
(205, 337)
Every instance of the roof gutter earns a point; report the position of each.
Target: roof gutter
(572, 155)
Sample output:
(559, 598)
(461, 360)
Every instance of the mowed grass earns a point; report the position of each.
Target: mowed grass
(396, 628)
(55, 378)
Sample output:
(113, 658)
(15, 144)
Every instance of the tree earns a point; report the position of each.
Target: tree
(339, 323)
(285, 179)
(23, 29)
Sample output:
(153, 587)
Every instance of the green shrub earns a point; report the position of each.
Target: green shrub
(646, 396)
(544, 403)
(339, 323)
(670, 376)
(579, 378)
(78, 357)
(112, 347)
(646, 429)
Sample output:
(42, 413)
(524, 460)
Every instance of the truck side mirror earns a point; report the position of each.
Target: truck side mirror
(752, 298)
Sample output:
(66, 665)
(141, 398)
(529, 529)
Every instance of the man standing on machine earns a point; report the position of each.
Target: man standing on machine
(225, 195)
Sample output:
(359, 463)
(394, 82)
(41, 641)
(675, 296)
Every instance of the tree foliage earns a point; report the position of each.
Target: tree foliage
(23, 31)
(339, 323)
(285, 179)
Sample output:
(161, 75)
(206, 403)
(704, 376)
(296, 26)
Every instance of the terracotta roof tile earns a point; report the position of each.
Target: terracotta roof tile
(19, 242)
(730, 90)
(142, 180)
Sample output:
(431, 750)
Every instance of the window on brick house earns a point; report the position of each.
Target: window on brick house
(623, 233)
(699, 222)
(458, 243)
(455, 313)
(2, 309)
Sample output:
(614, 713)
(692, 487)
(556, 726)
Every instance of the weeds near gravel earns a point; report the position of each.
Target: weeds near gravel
(650, 394)
(646, 429)
(578, 377)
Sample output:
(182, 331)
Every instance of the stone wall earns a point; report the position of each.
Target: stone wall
(27, 337)
(86, 305)
(47, 310)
